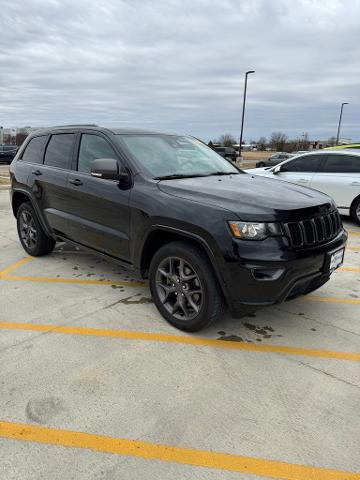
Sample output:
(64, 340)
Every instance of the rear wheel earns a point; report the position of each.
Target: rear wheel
(261, 164)
(31, 234)
(355, 211)
(184, 286)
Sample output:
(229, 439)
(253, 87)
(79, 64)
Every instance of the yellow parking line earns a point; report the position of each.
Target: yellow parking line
(349, 269)
(353, 247)
(29, 278)
(170, 453)
(317, 298)
(187, 340)
(15, 266)
(354, 232)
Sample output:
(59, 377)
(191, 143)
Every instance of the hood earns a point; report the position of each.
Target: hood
(250, 197)
(259, 171)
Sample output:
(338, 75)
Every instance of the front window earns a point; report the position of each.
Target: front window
(164, 155)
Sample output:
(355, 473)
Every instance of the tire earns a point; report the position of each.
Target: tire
(261, 164)
(184, 287)
(31, 234)
(355, 211)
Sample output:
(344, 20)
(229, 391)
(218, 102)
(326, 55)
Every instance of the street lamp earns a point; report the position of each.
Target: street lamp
(338, 132)
(243, 109)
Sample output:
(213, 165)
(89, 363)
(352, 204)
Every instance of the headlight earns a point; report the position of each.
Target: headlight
(255, 231)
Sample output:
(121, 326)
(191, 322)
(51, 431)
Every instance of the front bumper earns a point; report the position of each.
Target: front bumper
(271, 275)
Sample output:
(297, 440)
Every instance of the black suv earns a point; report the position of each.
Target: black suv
(7, 153)
(226, 152)
(205, 233)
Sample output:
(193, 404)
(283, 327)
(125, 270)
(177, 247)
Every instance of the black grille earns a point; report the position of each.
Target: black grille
(313, 231)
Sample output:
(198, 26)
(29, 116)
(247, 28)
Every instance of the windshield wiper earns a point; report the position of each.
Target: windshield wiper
(222, 173)
(179, 175)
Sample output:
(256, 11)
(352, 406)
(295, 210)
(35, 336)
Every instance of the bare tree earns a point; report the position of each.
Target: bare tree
(20, 137)
(262, 143)
(227, 140)
(278, 140)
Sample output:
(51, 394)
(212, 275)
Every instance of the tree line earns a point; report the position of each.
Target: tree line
(278, 141)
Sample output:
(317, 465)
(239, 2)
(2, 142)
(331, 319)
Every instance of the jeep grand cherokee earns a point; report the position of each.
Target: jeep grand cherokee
(205, 233)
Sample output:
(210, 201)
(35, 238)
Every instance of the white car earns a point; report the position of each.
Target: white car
(336, 173)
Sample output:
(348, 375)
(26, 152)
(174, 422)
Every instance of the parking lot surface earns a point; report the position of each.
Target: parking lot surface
(94, 384)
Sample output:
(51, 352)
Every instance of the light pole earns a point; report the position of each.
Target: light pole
(339, 126)
(243, 109)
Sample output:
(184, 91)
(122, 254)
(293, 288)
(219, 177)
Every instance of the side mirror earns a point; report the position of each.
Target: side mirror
(277, 169)
(108, 169)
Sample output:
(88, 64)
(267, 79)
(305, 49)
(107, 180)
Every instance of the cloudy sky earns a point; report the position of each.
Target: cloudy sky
(179, 64)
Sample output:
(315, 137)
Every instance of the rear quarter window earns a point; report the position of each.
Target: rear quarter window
(33, 152)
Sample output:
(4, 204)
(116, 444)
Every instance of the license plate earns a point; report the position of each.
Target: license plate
(336, 259)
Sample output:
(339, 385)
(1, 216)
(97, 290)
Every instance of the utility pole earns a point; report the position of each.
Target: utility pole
(243, 110)
(339, 126)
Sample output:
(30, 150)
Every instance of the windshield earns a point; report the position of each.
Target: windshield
(167, 155)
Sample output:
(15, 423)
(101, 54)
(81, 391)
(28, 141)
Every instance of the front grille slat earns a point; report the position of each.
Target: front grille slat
(313, 231)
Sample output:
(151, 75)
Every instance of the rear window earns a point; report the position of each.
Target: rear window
(34, 150)
(59, 150)
(342, 164)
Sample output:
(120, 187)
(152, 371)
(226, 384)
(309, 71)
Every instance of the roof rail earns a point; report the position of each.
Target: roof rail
(76, 125)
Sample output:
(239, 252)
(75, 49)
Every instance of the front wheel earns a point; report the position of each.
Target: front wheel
(184, 287)
(355, 211)
(261, 164)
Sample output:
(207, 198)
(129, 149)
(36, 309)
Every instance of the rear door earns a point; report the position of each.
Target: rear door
(339, 178)
(30, 159)
(99, 208)
(301, 170)
(49, 181)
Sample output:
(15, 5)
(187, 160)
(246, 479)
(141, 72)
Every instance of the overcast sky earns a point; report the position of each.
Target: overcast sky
(179, 65)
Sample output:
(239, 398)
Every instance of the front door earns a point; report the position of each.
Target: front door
(301, 170)
(99, 208)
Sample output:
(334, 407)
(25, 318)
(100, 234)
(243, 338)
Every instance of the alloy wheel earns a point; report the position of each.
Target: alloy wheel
(28, 229)
(179, 288)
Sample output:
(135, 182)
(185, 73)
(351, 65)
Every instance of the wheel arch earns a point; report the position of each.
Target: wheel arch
(357, 198)
(18, 198)
(21, 196)
(161, 235)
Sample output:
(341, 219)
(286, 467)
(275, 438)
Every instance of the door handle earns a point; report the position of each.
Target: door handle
(36, 172)
(76, 182)
(303, 180)
(355, 184)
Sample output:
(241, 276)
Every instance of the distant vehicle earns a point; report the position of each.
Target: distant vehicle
(274, 159)
(336, 173)
(7, 153)
(342, 147)
(301, 152)
(227, 152)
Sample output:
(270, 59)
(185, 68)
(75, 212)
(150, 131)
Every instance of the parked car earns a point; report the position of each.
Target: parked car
(300, 152)
(336, 173)
(7, 153)
(273, 160)
(169, 208)
(227, 152)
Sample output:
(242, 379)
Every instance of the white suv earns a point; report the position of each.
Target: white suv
(336, 173)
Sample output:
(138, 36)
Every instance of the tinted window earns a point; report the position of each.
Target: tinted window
(91, 148)
(34, 150)
(305, 163)
(59, 150)
(342, 164)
